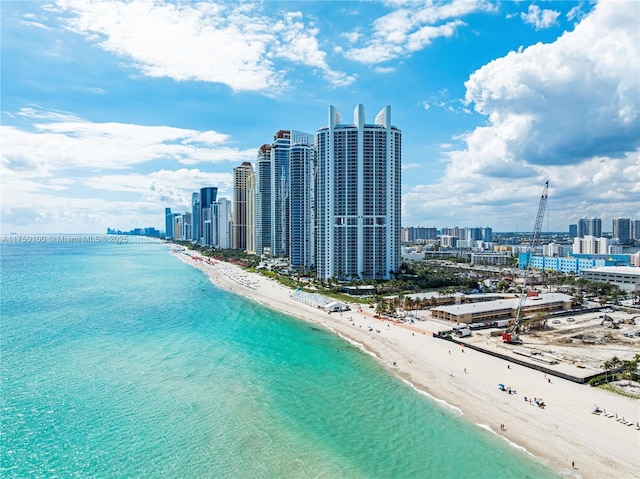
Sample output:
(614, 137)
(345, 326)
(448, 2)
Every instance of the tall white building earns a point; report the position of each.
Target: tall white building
(186, 227)
(216, 224)
(221, 224)
(449, 241)
(358, 187)
(590, 245)
(555, 250)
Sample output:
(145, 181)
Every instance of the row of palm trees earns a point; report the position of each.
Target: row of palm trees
(390, 306)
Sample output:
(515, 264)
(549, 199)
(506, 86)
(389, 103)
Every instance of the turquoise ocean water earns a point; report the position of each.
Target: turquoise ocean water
(120, 361)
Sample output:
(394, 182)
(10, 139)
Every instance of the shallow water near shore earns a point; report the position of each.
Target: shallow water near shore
(122, 361)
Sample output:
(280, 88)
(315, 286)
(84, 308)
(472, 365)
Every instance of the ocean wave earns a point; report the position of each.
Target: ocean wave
(488, 428)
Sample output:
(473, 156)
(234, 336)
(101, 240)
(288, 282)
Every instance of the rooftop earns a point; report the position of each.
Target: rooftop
(626, 270)
(487, 306)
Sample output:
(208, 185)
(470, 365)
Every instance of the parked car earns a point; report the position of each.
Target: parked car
(570, 320)
(556, 321)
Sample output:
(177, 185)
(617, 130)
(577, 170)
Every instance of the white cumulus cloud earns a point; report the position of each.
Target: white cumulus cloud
(540, 18)
(410, 27)
(230, 43)
(71, 172)
(71, 142)
(567, 111)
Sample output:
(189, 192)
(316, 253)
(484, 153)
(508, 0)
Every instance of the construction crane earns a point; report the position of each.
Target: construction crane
(511, 334)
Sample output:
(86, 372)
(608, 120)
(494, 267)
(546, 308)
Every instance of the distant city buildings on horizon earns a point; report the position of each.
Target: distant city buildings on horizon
(150, 232)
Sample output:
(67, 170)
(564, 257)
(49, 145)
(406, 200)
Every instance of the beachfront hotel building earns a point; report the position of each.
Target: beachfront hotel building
(357, 203)
(240, 208)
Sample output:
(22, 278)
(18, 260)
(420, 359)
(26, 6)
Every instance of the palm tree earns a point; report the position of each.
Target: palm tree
(577, 299)
(396, 303)
(607, 366)
(381, 306)
(612, 363)
(630, 367)
(409, 304)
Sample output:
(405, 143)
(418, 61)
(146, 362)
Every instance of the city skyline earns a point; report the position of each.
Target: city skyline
(101, 129)
(332, 201)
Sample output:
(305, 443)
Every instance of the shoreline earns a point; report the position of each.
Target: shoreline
(561, 434)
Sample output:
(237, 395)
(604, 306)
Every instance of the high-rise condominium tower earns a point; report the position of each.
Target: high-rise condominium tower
(195, 216)
(280, 193)
(301, 201)
(207, 198)
(240, 211)
(221, 224)
(168, 223)
(251, 213)
(622, 230)
(283, 166)
(263, 200)
(635, 229)
(590, 227)
(358, 187)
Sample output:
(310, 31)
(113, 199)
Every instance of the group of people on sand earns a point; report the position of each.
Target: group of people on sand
(537, 401)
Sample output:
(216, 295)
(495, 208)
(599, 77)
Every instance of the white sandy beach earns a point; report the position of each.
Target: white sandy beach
(565, 431)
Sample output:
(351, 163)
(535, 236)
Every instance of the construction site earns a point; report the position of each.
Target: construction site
(578, 344)
(570, 343)
(572, 347)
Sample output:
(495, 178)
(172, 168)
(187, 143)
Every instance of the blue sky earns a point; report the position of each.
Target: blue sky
(113, 110)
